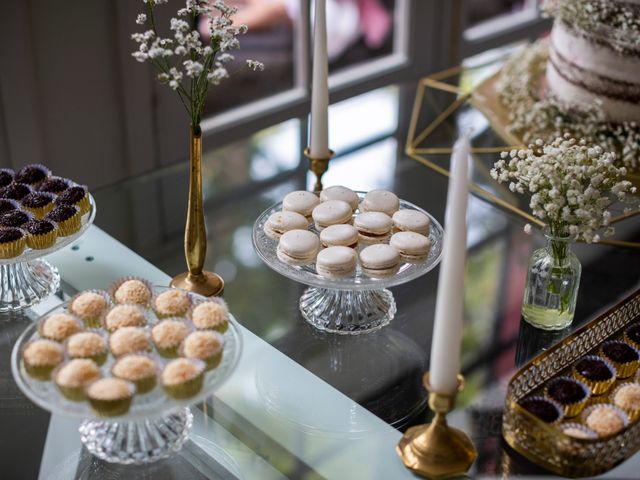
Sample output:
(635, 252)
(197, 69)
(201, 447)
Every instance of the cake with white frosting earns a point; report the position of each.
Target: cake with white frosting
(594, 57)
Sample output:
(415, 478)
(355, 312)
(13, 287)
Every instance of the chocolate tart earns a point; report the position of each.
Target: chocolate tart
(32, 174)
(622, 356)
(6, 176)
(571, 394)
(12, 242)
(7, 205)
(67, 217)
(141, 369)
(39, 203)
(183, 377)
(40, 357)
(110, 397)
(546, 410)
(55, 185)
(632, 335)
(41, 234)
(76, 195)
(596, 373)
(14, 218)
(15, 191)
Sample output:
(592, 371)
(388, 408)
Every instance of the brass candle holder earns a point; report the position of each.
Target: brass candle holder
(318, 166)
(195, 236)
(436, 450)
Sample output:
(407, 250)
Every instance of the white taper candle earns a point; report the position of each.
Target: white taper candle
(319, 143)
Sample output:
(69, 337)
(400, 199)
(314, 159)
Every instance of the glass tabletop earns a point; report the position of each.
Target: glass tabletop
(305, 404)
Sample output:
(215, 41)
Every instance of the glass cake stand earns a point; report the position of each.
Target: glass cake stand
(155, 426)
(27, 279)
(351, 305)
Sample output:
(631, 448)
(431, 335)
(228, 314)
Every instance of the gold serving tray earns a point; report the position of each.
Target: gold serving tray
(544, 444)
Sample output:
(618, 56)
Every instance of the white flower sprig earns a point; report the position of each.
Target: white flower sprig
(571, 185)
(183, 61)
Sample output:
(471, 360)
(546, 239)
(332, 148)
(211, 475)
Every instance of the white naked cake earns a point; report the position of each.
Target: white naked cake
(594, 57)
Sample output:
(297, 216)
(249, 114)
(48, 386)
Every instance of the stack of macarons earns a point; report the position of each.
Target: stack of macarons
(329, 229)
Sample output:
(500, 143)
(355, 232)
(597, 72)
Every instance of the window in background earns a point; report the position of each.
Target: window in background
(482, 10)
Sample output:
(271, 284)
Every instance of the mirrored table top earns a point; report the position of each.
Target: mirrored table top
(304, 404)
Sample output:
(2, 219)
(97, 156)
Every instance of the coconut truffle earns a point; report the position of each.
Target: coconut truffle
(169, 333)
(43, 353)
(209, 315)
(86, 345)
(78, 373)
(628, 396)
(59, 326)
(605, 420)
(577, 430)
(89, 304)
(202, 345)
(129, 340)
(124, 316)
(133, 291)
(181, 370)
(134, 368)
(110, 389)
(172, 303)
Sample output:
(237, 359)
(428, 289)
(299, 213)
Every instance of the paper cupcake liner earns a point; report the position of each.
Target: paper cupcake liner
(91, 321)
(103, 319)
(14, 248)
(70, 226)
(222, 327)
(115, 285)
(587, 411)
(189, 388)
(589, 434)
(548, 400)
(111, 408)
(569, 409)
(597, 387)
(156, 293)
(632, 414)
(171, 351)
(146, 384)
(59, 340)
(43, 241)
(99, 357)
(624, 370)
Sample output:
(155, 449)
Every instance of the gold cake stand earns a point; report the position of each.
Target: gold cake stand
(484, 98)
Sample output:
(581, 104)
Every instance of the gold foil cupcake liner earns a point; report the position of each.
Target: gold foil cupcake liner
(632, 414)
(91, 321)
(14, 248)
(623, 370)
(630, 341)
(113, 288)
(569, 409)
(146, 384)
(597, 387)
(84, 204)
(71, 225)
(44, 240)
(219, 301)
(40, 212)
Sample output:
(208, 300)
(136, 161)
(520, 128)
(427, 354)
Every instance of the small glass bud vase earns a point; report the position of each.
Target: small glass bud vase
(553, 278)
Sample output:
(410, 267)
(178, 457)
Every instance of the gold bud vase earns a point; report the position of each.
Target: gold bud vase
(196, 280)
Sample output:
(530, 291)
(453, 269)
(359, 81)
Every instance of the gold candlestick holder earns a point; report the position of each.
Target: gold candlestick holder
(318, 166)
(195, 236)
(436, 450)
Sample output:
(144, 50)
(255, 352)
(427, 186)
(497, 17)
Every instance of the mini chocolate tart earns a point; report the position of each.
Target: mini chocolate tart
(632, 335)
(110, 397)
(571, 394)
(39, 203)
(76, 195)
(14, 218)
(67, 217)
(6, 176)
(15, 191)
(55, 185)
(41, 234)
(7, 205)
(546, 410)
(12, 242)
(622, 356)
(596, 373)
(32, 174)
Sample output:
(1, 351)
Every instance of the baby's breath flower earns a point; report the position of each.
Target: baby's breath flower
(141, 19)
(255, 65)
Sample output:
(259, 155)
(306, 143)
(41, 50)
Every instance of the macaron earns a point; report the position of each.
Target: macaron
(379, 260)
(338, 192)
(380, 201)
(331, 212)
(301, 202)
(339, 235)
(281, 222)
(373, 227)
(411, 221)
(411, 246)
(298, 247)
(336, 262)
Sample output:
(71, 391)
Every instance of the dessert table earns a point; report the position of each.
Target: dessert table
(302, 403)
